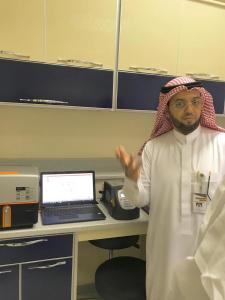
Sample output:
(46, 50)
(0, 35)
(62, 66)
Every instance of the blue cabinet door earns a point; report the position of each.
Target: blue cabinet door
(35, 248)
(217, 90)
(140, 91)
(39, 83)
(9, 283)
(47, 280)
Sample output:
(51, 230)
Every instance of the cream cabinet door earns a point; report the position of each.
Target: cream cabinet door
(202, 39)
(21, 29)
(149, 35)
(81, 32)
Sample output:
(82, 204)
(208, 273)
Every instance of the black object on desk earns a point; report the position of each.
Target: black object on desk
(113, 199)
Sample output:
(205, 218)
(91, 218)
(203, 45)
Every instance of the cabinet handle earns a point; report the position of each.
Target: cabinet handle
(79, 62)
(216, 2)
(47, 101)
(23, 244)
(14, 54)
(49, 266)
(6, 271)
(149, 69)
(202, 76)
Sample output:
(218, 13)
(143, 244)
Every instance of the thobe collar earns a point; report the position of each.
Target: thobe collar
(188, 138)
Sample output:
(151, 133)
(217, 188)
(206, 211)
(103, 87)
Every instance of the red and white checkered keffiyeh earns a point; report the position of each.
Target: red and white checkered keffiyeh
(163, 123)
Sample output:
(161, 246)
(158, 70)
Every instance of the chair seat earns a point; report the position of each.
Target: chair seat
(121, 242)
(121, 278)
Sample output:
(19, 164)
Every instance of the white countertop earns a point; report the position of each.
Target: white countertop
(85, 230)
(105, 168)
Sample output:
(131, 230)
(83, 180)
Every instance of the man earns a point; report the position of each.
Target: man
(202, 277)
(180, 167)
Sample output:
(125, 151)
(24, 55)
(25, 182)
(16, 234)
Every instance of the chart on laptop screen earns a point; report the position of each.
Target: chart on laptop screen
(59, 188)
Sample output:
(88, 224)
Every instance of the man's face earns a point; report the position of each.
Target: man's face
(185, 110)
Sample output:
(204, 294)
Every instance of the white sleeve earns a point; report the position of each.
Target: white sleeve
(139, 193)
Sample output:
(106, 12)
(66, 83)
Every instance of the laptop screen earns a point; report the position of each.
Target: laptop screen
(67, 187)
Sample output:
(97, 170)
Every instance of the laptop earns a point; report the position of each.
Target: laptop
(68, 197)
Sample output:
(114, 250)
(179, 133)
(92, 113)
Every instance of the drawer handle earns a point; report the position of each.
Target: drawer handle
(148, 69)
(48, 101)
(14, 54)
(203, 76)
(49, 266)
(216, 2)
(79, 62)
(6, 271)
(23, 244)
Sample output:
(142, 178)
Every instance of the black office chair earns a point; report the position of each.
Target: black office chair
(122, 277)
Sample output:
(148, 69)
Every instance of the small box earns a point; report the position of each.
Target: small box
(116, 203)
(19, 196)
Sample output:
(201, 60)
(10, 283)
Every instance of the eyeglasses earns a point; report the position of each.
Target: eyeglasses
(181, 104)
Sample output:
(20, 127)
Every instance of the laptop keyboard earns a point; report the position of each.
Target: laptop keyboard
(68, 213)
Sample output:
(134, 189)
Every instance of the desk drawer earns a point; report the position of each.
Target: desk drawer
(35, 248)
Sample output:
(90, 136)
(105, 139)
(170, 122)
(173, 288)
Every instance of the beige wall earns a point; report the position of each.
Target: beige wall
(221, 121)
(28, 132)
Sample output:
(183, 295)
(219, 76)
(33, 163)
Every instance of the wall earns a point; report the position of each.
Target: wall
(221, 121)
(28, 132)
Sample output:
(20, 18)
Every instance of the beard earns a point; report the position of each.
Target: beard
(183, 128)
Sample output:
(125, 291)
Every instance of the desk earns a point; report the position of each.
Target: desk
(42, 262)
(80, 232)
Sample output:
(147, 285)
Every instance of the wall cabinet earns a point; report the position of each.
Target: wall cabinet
(75, 39)
(83, 87)
(21, 30)
(36, 268)
(169, 37)
(81, 32)
(140, 91)
(48, 84)
(71, 31)
(202, 39)
(149, 36)
(175, 37)
(158, 41)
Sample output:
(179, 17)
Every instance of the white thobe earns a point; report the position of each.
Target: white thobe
(202, 277)
(210, 254)
(171, 164)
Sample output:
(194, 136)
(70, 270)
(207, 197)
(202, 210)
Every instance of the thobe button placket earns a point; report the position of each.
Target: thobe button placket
(186, 187)
(186, 180)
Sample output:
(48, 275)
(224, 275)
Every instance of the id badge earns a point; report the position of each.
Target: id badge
(199, 203)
